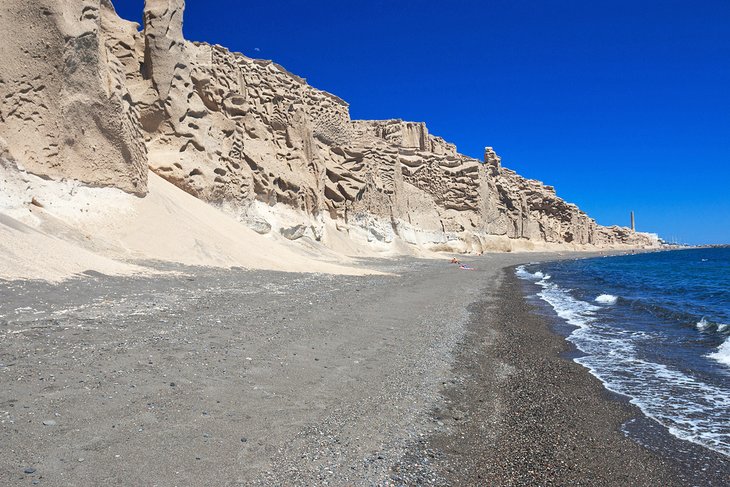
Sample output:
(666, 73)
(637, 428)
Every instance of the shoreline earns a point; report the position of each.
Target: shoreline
(522, 412)
(695, 463)
(240, 377)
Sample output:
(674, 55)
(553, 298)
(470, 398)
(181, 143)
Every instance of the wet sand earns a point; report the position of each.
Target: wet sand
(232, 377)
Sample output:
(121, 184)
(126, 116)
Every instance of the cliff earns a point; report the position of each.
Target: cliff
(65, 111)
(87, 96)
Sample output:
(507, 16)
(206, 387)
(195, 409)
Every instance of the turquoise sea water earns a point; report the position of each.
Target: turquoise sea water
(654, 327)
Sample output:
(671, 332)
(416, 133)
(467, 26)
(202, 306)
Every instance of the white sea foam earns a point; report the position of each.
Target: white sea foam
(525, 274)
(574, 311)
(690, 408)
(723, 353)
(522, 273)
(607, 299)
(703, 324)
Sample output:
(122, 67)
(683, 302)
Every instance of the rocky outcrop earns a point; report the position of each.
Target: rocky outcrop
(103, 100)
(65, 111)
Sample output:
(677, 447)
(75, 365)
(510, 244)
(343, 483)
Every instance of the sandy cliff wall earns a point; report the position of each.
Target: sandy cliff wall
(89, 97)
(65, 111)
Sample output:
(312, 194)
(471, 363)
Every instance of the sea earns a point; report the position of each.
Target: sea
(655, 329)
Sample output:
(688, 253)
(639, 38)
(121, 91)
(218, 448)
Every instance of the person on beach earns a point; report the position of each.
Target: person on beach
(464, 267)
(454, 261)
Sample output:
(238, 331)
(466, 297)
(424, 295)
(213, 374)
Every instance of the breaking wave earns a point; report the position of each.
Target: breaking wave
(722, 354)
(533, 276)
(703, 324)
(606, 299)
(690, 408)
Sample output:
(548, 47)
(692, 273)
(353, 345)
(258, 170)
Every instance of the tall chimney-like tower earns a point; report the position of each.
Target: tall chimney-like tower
(633, 224)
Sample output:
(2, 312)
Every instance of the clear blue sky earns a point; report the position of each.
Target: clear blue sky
(620, 105)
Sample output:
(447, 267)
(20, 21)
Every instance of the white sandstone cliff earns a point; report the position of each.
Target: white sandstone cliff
(86, 96)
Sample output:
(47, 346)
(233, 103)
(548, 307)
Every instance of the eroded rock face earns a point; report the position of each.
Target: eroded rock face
(101, 101)
(65, 111)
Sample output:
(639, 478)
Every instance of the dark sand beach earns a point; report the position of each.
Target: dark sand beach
(519, 411)
(431, 375)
